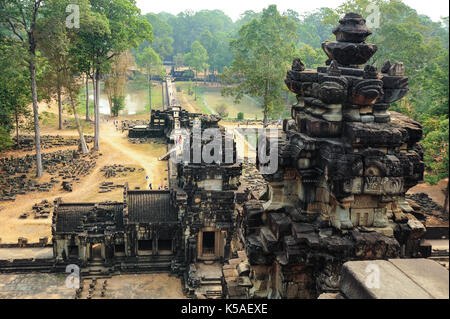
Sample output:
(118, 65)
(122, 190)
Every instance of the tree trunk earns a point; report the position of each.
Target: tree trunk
(195, 87)
(150, 91)
(84, 148)
(446, 198)
(97, 111)
(93, 89)
(58, 89)
(37, 134)
(265, 103)
(163, 97)
(16, 115)
(88, 119)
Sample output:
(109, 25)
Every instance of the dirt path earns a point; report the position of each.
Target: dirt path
(115, 149)
(436, 192)
(186, 104)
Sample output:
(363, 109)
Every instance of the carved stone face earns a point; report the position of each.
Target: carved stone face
(332, 93)
(366, 92)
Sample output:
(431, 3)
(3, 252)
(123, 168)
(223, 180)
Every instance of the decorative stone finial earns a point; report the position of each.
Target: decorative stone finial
(352, 28)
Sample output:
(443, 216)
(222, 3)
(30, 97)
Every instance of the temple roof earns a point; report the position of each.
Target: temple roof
(150, 207)
(89, 217)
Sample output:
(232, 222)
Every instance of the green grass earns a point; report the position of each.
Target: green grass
(48, 119)
(211, 97)
(156, 95)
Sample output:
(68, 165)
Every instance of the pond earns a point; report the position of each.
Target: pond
(136, 100)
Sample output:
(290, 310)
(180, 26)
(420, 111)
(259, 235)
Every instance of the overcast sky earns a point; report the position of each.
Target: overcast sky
(233, 8)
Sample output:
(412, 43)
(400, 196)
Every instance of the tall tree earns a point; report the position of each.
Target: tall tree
(115, 26)
(53, 42)
(178, 60)
(15, 95)
(116, 79)
(21, 17)
(150, 61)
(262, 52)
(436, 145)
(197, 59)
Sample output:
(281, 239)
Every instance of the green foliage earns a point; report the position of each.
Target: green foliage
(436, 145)
(262, 53)
(5, 139)
(188, 74)
(240, 116)
(197, 57)
(108, 29)
(311, 57)
(188, 26)
(162, 36)
(150, 61)
(15, 94)
(118, 104)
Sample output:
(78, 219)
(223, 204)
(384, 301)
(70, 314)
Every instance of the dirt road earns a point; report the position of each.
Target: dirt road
(115, 149)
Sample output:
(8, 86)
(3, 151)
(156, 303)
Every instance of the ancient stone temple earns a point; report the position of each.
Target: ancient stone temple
(345, 165)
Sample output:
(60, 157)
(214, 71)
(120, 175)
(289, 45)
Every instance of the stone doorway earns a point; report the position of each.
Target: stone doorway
(208, 243)
(97, 252)
(145, 247)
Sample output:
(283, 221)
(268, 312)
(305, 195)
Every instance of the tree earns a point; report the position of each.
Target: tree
(187, 26)
(162, 34)
(56, 40)
(113, 27)
(312, 58)
(15, 95)
(263, 53)
(196, 59)
(116, 80)
(72, 87)
(53, 42)
(149, 60)
(20, 17)
(5, 139)
(436, 145)
(220, 54)
(178, 60)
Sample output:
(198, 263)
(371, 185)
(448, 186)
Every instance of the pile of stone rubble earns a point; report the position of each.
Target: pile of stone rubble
(15, 172)
(26, 142)
(40, 210)
(114, 170)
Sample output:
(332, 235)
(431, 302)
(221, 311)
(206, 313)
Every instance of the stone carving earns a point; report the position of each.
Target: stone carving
(345, 165)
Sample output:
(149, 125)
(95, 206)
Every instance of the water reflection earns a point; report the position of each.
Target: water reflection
(135, 101)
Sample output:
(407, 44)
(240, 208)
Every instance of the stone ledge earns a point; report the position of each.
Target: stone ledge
(398, 279)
